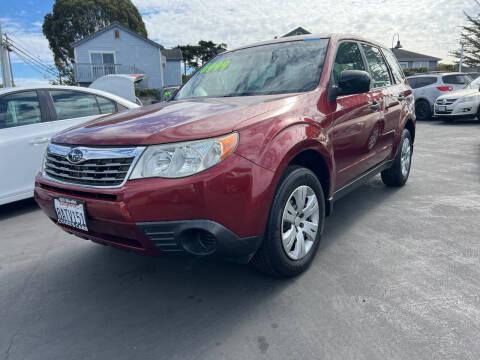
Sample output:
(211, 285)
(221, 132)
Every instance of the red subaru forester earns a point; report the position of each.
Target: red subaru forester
(245, 161)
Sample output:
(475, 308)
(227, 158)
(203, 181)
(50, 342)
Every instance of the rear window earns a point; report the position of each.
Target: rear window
(423, 81)
(456, 79)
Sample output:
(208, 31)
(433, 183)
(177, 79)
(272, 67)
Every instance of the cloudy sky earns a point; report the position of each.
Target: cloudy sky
(426, 26)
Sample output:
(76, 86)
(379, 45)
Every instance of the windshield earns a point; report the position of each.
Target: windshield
(475, 84)
(288, 67)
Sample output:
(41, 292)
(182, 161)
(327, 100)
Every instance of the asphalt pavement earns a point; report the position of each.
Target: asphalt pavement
(397, 276)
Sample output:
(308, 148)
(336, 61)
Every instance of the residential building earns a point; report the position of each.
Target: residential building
(298, 31)
(412, 60)
(116, 49)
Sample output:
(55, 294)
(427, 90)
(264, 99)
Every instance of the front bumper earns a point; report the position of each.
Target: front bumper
(221, 211)
(457, 109)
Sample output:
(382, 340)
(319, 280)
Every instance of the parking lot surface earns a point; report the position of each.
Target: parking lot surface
(397, 276)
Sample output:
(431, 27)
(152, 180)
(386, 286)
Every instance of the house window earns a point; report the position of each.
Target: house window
(404, 65)
(117, 34)
(420, 64)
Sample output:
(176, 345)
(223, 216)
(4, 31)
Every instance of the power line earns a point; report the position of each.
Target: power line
(35, 56)
(25, 54)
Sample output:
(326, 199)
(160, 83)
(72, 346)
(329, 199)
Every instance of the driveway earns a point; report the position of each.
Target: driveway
(397, 276)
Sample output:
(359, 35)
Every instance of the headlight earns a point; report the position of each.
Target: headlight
(468, 98)
(183, 159)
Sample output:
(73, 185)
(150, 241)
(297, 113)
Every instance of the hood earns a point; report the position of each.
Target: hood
(171, 121)
(459, 94)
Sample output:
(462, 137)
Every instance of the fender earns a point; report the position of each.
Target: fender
(280, 150)
(408, 114)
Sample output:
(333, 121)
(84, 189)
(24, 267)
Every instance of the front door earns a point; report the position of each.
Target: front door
(355, 120)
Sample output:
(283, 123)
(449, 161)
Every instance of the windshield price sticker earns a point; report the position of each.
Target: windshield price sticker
(215, 67)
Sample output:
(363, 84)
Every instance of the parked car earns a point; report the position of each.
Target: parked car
(428, 86)
(247, 159)
(461, 103)
(30, 116)
(122, 85)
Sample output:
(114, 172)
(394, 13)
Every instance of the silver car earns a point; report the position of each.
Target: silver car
(428, 87)
(463, 103)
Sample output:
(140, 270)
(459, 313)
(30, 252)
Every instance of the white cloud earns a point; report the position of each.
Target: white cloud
(28, 38)
(32, 82)
(426, 26)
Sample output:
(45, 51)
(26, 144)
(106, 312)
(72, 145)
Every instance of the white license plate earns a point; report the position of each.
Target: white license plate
(442, 108)
(71, 213)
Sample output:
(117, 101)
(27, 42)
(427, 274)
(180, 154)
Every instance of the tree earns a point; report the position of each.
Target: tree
(72, 20)
(470, 37)
(195, 56)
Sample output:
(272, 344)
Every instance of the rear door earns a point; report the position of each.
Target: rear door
(23, 137)
(379, 137)
(397, 100)
(354, 118)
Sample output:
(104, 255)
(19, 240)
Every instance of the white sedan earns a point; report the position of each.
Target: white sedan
(30, 116)
(460, 103)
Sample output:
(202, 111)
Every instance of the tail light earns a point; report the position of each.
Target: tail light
(445, 88)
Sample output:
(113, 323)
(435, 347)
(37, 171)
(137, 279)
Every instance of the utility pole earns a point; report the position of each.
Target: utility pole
(5, 59)
(461, 58)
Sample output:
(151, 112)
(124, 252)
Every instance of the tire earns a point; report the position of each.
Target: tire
(423, 110)
(397, 174)
(275, 256)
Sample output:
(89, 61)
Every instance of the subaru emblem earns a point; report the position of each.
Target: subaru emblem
(75, 156)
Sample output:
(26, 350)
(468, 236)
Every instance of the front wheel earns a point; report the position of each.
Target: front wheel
(397, 174)
(294, 226)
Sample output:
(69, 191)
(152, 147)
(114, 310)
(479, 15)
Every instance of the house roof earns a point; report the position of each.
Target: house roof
(298, 31)
(121, 27)
(404, 55)
(173, 54)
(170, 54)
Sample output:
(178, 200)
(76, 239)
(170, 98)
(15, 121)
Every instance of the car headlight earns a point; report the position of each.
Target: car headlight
(183, 159)
(468, 98)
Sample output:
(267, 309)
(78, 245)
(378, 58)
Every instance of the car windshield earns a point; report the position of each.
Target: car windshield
(287, 67)
(475, 84)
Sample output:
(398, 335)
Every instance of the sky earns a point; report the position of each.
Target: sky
(430, 27)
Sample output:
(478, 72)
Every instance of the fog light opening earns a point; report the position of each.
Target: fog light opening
(198, 241)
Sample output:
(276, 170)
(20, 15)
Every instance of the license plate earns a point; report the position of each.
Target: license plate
(442, 108)
(71, 213)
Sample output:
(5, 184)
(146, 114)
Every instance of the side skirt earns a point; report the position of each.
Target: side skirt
(359, 181)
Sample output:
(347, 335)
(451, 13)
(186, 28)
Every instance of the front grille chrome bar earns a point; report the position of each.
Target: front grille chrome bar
(99, 167)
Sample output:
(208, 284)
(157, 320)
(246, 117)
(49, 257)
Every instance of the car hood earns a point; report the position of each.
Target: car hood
(171, 121)
(458, 94)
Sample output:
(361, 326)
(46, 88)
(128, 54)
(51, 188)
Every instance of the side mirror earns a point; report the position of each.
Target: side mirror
(351, 82)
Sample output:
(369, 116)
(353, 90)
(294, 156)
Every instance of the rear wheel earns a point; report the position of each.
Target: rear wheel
(423, 110)
(397, 174)
(295, 225)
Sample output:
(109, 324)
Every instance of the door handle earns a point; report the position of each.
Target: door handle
(374, 105)
(39, 141)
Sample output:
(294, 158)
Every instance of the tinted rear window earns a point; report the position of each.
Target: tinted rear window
(456, 79)
(423, 81)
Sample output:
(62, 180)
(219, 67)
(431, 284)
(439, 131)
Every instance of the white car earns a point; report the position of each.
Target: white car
(30, 116)
(460, 103)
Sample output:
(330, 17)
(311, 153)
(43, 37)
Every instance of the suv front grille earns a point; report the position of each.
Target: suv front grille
(448, 102)
(98, 167)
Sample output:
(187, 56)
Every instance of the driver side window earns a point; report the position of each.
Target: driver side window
(348, 58)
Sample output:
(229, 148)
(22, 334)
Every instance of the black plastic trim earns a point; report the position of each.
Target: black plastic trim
(175, 236)
(362, 179)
